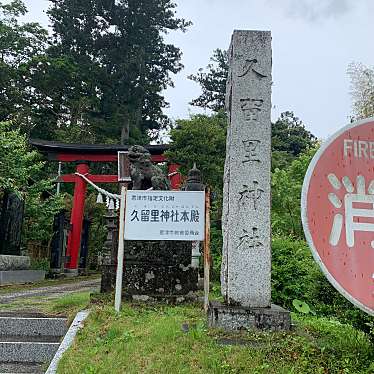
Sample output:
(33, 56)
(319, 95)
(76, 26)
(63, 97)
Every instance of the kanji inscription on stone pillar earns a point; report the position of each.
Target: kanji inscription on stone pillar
(246, 258)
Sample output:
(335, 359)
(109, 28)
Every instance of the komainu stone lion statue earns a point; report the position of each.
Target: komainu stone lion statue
(143, 173)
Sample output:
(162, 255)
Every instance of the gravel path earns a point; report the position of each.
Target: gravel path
(52, 291)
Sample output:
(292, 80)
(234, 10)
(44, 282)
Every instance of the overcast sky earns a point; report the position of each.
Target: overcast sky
(313, 43)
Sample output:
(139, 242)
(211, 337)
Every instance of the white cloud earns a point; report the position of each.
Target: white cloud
(316, 10)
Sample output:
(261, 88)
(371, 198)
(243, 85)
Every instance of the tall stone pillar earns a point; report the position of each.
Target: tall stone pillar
(246, 254)
(246, 216)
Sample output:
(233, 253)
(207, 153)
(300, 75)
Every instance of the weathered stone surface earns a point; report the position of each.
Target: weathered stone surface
(11, 218)
(32, 326)
(21, 367)
(155, 269)
(246, 259)
(21, 276)
(144, 174)
(27, 351)
(165, 253)
(159, 281)
(108, 278)
(234, 318)
(8, 262)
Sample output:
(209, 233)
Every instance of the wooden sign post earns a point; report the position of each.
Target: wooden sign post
(207, 258)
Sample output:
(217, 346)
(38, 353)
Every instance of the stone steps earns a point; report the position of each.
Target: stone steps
(21, 368)
(30, 339)
(26, 343)
(32, 326)
(27, 351)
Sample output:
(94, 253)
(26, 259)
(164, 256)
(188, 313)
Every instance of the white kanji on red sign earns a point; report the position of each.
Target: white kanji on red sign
(338, 211)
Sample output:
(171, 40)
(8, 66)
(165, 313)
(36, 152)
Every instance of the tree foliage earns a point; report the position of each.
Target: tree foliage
(286, 189)
(362, 90)
(212, 82)
(17, 163)
(117, 64)
(20, 43)
(21, 171)
(98, 78)
(201, 140)
(289, 136)
(289, 140)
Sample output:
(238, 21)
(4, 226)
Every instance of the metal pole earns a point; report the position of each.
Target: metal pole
(121, 244)
(207, 250)
(59, 175)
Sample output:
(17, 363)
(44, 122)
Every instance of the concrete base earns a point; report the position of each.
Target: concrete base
(71, 273)
(21, 276)
(236, 318)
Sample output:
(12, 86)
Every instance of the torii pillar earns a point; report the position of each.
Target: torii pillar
(76, 220)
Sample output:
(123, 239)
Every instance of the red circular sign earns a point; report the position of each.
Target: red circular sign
(338, 211)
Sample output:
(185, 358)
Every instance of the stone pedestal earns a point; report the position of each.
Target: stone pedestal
(159, 270)
(21, 276)
(154, 270)
(16, 270)
(236, 318)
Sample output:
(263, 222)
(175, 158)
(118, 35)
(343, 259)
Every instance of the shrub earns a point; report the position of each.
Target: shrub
(295, 275)
(293, 271)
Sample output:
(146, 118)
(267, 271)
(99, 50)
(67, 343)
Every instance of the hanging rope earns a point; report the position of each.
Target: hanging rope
(99, 189)
(111, 200)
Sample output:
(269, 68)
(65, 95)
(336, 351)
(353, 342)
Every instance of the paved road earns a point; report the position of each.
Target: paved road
(52, 291)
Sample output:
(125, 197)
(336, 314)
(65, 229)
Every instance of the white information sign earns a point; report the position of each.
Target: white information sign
(165, 215)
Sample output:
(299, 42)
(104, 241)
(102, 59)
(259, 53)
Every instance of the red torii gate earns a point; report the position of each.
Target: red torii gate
(82, 155)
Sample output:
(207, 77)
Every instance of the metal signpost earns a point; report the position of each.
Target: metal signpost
(338, 212)
(162, 215)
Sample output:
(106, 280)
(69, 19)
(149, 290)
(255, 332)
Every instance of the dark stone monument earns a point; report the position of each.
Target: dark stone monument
(61, 227)
(11, 224)
(144, 174)
(14, 268)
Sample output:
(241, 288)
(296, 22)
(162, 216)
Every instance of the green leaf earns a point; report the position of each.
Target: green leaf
(301, 306)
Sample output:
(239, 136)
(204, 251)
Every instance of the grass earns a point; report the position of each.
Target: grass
(149, 339)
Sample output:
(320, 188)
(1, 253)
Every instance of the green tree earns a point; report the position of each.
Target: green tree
(362, 90)
(201, 140)
(212, 82)
(21, 171)
(286, 196)
(20, 43)
(289, 140)
(121, 64)
(289, 136)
